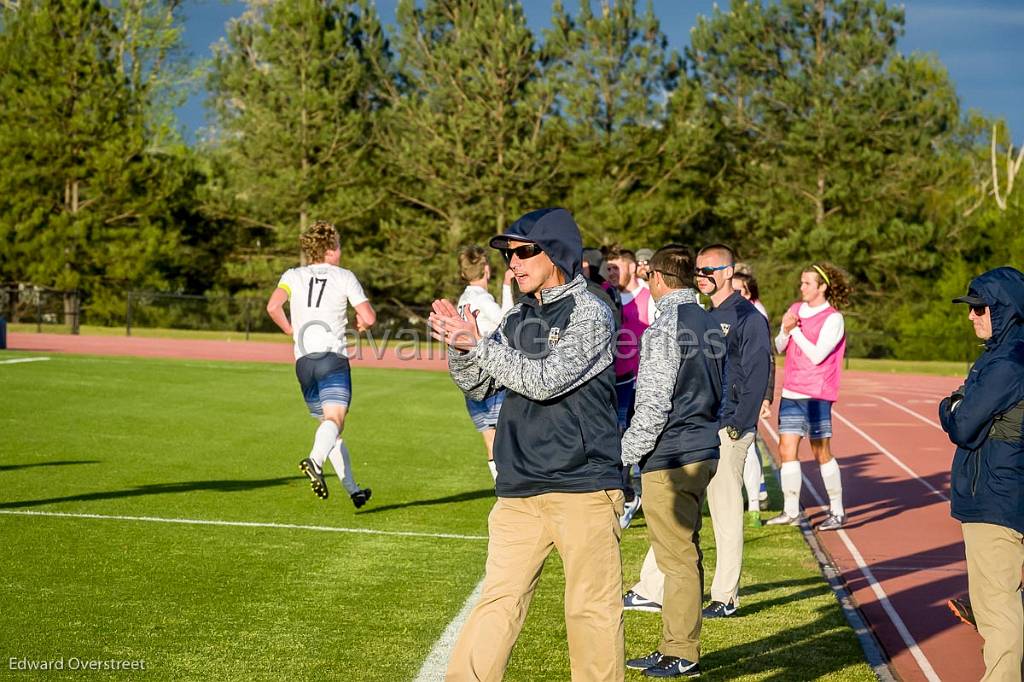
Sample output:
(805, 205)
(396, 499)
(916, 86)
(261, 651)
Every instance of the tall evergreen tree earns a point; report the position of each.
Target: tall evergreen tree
(465, 135)
(82, 196)
(294, 99)
(615, 78)
(834, 135)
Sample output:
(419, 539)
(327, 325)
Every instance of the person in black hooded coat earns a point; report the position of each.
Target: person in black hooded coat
(984, 418)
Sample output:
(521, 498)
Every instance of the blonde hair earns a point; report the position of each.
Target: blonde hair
(472, 260)
(317, 240)
(837, 282)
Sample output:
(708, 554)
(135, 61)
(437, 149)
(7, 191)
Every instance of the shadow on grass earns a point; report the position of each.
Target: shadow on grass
(14, 467)
(158, 489)
(810, 651)
(460, 497)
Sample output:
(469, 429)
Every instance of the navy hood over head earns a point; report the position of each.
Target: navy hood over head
(1002, 290)
(984, 418)
(554, 231)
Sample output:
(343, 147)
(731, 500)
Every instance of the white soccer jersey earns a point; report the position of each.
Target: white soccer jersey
(319, 296)
(480, 301)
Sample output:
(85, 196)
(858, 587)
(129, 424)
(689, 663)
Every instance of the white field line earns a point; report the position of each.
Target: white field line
(913, 474)
(436, 663)
(909, 411)
(876, 588)
(15, 361)
(244, 524)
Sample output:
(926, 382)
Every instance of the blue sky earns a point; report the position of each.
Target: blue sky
(979, 41)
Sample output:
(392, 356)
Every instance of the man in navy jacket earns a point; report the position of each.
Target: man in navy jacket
(556, 448)
(984, 419)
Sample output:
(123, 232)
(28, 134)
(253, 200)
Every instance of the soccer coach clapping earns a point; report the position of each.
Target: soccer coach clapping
(556, 449)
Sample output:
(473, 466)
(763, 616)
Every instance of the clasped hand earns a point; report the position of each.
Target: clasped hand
(448, 326)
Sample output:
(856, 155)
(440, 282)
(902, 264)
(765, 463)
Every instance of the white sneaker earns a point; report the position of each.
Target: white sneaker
(629, 512)
(783, 519)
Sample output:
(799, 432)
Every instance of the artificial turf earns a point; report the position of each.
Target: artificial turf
(194, 440)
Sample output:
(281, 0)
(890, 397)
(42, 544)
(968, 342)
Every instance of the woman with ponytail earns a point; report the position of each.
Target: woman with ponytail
(813, 337)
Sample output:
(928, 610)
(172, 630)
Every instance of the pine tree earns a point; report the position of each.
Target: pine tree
(82, 194)
(627, 176)
(834, 137)
(465, 135)
(294, 99)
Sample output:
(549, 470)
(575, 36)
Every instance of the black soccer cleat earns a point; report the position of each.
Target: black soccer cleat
(361, 497)
(316, 478)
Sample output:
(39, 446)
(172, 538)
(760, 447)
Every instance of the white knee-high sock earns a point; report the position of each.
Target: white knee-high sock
(342, 463)
(323, 441)
(790, 478)
(752, 477)
(833, 486)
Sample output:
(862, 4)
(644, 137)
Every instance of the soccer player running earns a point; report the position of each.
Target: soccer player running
(556, 448)
(984, 419)
(748, 363)
(477, 302)
(319, 295)
(638, 311)
(674, 435)
(814, 339)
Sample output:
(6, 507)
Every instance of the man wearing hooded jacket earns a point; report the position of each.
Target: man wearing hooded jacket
(984, 419)
(556, 449)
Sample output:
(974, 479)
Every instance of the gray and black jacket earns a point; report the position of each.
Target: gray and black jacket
(557, 430)
(678, 387)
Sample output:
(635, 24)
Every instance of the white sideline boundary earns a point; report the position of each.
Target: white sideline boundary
(858, 558)
(436, 663)
(14, 361)
(243, 524)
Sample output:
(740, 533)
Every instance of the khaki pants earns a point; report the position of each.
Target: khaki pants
(672, 506)
(995, 556)
(725, 501)
(584, 528)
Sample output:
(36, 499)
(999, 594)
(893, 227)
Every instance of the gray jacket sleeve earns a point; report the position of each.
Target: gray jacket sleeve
(582, 352)
(660, 357)
(467, 373)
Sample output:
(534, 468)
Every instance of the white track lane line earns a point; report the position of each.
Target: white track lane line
(15, 361)
(909, 411)
(244, 524)
(436, 663)
(876, 588)
(932, 489)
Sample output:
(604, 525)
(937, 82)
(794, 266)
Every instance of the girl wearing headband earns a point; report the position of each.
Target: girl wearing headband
(813, 338)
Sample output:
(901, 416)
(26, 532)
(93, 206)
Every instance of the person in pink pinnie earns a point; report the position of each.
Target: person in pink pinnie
(813, 337)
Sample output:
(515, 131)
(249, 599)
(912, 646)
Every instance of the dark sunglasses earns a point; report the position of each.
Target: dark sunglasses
(523, 252)
(979, 310)
(709, 271)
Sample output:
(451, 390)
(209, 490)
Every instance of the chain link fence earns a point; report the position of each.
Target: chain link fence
(53, 310)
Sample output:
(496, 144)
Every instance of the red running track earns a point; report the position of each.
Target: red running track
(397, 356)
(900, 554)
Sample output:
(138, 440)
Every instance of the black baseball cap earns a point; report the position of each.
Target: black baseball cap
(971, 299)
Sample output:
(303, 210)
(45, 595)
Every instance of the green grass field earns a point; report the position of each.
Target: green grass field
(221, 441)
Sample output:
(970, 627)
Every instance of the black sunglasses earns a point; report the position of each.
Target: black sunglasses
(523, 252)
(709, 271)
(979, 310)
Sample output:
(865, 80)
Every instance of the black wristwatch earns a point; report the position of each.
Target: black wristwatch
(732, 432)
